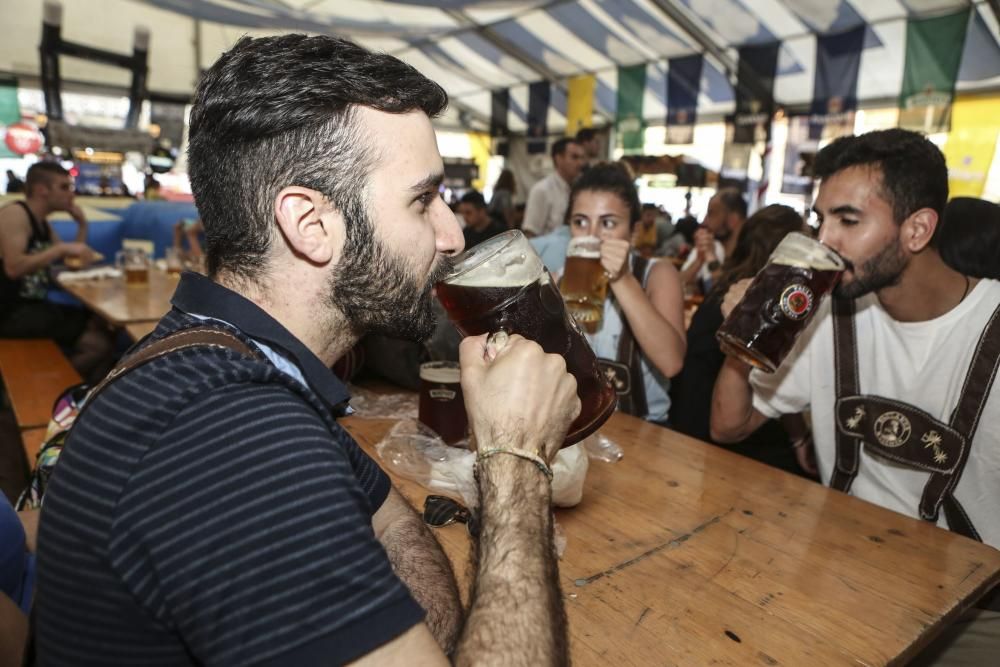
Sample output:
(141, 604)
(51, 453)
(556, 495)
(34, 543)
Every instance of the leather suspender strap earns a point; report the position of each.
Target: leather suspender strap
(846, 364)
(203, 336)
(628, 353)
(983, 368)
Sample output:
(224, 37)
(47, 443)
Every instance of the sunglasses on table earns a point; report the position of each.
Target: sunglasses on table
(440, 511)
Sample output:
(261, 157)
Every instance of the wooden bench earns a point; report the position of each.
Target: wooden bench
(34, 372)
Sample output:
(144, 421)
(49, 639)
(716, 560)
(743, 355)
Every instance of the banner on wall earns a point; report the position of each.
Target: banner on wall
(755, 103)
(800, 150)
(933, 54)
(629, 123)
(735, 162)
(499, 130)
(835, 86)
(539, 94)
(580, 103)
(683, 85)
(971, 145)
(10, 113)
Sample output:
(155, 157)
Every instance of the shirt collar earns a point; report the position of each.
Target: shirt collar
(198, 295)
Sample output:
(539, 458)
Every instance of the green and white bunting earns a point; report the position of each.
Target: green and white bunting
(933, 54)
(629, 122)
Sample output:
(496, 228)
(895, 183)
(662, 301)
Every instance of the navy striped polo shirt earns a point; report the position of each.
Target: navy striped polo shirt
(209, 510)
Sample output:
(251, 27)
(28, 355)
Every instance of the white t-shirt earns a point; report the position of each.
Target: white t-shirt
(923, 364)
(704, 273)
(546, 206)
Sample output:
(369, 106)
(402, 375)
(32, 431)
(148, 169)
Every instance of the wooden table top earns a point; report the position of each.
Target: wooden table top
(684, 553)
(120, 304)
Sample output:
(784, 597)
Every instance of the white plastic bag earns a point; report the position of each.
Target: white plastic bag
(415, 452)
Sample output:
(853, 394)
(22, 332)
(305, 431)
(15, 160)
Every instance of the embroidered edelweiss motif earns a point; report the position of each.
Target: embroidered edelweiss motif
(933, 439)
(855, 419)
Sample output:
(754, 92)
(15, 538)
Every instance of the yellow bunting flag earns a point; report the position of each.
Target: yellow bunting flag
(479, 145)
(971, 144)
(580, 103)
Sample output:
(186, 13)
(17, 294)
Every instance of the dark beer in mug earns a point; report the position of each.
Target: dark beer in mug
(502, 285)
(441, 407)
(780, 302)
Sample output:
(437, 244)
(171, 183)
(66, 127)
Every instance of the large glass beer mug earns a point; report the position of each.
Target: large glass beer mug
(502, 285)
(584, 284)
(780, 302)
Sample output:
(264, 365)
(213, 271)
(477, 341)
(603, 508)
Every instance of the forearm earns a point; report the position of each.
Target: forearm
(689, 276)
(27, 264)
(733, 415)
(663, 342)
(516, 616)
(421, 564)
(81, 230)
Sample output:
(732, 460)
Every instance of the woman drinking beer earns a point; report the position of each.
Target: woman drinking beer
(639, 334)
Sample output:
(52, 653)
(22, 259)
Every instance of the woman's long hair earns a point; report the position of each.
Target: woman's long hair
(759, 236)
(506, 181)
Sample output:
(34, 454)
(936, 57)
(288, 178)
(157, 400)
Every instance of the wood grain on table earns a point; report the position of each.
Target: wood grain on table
(683, 553)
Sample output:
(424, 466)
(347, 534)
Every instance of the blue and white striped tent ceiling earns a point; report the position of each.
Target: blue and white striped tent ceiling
(473, 46)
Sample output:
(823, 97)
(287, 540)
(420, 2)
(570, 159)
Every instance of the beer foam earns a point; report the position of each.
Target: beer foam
(503, 261)
(588, 247)
(441, 372)
(804, 252)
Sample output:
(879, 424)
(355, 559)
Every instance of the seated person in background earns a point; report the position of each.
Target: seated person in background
(968, 237)
(479, 225)
(14, 184)
(17, 577)
(884, 365)
(551, 248)
(190, 230)
(691, 389)
(28, 247)
(502, 202)
(644, 236)
(642, 327)
(680, 242)
(714, 240)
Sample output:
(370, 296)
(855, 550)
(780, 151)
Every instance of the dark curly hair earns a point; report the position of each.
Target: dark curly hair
(914, 175)
(612, 177)
(968, 237)
(279, 111)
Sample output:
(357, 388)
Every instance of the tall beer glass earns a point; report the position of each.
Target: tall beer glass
(780, 301)
(502, 285)
(584, 285)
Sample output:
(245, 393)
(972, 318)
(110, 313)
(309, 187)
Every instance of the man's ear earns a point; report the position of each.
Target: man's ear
(312, 227)
(918, 229)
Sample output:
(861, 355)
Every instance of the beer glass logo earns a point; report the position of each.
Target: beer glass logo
(442, 394)
(796, 301)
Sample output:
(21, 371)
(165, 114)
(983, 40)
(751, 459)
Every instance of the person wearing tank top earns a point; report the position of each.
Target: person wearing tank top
(640, 340)
(28, 248)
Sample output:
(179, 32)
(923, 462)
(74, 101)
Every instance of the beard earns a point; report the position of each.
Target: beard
(377, 293)
(884, 269)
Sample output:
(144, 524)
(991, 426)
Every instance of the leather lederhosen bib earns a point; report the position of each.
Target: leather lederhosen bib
(625, 371)
(907, 435)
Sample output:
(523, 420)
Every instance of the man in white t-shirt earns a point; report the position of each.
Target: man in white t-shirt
(916, 324)
(715, 239)
(549, 197)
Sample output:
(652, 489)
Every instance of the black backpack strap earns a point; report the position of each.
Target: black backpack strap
(845, 352)
(634, 403)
